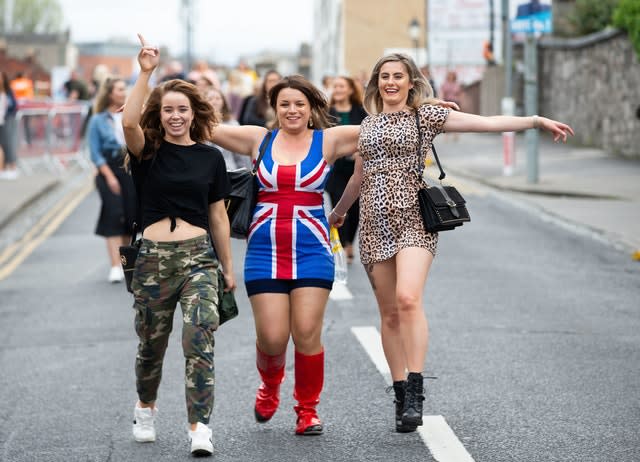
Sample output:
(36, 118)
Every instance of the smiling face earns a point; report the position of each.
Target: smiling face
(176, 116)
(118, 94)
(293, 110)
(341, 91)
(394, 85)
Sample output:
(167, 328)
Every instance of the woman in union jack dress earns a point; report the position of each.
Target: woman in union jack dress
(289, 265)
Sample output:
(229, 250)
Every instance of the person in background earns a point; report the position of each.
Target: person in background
(395, 249)
(327, 85)
(8, 109)
(450, 90)
(75, 88)
(258, 110)
(346, 108)
(116, 189)
(426, 72)
(223, 113)
(173, 70)
(202, 69)
(182, 183)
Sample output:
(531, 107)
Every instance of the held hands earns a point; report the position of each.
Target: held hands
(149, 56)
(558, 129)
(336, 220)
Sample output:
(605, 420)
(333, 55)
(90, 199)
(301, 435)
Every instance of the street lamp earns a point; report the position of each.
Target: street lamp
(414, 33)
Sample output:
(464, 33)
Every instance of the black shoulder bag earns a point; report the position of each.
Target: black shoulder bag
(244, 195)
(442, 207)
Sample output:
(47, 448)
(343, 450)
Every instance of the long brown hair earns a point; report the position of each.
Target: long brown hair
(204, 117)
(317, 100)
(355, 99)
(103, 101)
(418, 95)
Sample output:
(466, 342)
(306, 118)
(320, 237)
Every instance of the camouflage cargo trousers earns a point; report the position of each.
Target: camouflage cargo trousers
(167, 273)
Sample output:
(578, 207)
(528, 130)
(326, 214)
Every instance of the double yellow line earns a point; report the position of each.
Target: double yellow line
(16, 253)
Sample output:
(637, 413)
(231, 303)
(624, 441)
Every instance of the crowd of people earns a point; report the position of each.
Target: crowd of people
(180, 138)
(161, 155)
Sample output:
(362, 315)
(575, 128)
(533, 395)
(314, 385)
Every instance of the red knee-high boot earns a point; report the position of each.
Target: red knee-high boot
(271, 369)
(307, 389)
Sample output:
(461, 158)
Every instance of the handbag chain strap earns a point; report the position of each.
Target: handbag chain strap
(433, 149)
(263, 148)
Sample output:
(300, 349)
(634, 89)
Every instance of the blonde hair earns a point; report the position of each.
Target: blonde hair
(420, 94)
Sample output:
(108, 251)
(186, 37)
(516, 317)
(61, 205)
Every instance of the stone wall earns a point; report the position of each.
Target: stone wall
(593, 83)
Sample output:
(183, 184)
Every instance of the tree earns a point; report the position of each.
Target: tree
(592, 15)
(30, 16)
(627, 17)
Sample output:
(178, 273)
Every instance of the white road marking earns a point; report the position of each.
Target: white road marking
(340, 292)
(441, 441)
(435, 432)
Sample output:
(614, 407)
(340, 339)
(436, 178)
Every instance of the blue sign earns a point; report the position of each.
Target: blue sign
(532, 17)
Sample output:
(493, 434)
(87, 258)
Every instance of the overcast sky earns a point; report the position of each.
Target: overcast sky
(222, 30)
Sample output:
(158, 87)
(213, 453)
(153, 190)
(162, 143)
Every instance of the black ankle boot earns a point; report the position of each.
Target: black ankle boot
(413, 398)
(399, 388)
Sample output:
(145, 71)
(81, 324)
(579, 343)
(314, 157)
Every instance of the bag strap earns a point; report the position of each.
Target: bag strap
(263, 148)
(433, 149)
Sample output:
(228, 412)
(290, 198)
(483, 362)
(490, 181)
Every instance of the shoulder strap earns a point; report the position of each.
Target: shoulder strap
(263, 148)
(433, 148)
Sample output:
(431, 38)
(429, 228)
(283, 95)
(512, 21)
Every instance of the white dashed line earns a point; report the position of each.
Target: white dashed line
(340, 292)
(442, 442)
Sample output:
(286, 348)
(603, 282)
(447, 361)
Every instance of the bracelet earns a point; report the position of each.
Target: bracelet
(336, 214)
(536, 121)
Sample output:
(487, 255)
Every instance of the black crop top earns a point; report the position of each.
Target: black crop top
(180, 182)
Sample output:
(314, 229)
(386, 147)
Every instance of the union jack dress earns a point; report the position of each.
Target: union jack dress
(289, 233)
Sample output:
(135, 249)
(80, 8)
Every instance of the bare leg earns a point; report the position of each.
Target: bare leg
(382, 277)
(113, 246)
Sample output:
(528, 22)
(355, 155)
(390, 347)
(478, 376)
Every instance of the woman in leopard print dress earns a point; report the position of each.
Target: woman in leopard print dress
(394, 247)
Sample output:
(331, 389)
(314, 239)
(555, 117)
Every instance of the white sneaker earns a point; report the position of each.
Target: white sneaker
(144, 430)
(116, 274)
(201, 444)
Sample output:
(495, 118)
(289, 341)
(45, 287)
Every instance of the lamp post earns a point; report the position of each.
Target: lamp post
(414, 33)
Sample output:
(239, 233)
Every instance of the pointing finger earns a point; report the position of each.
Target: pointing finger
(143, 42)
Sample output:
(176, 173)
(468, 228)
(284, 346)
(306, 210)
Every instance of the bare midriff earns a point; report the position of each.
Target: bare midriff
(160, 231)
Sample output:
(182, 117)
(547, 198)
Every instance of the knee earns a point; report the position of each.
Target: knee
(307, 337)
(389, 318)
(197, 341)
(407, 302)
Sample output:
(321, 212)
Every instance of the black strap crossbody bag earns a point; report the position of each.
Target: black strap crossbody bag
(442, 207)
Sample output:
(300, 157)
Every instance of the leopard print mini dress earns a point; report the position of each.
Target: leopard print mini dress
(390, 217)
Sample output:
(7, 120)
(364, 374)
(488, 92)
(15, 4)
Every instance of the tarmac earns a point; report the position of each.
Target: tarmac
(586, 189)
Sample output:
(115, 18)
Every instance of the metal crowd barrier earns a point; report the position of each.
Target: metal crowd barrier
(51, 137)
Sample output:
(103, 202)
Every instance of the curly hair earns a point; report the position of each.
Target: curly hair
(319, 106)
(204, 117)
(420, 94)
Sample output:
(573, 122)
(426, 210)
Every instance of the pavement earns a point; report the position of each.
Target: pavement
(586, 189)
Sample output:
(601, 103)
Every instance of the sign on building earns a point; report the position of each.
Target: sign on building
(459, 31)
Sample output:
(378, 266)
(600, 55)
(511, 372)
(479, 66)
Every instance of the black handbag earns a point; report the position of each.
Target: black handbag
(442, 207)
(227, 305)
(244, 195)
(128, 255)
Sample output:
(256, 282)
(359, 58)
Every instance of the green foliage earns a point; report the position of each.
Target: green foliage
(627, 17)
(31, 16)
(590, 16)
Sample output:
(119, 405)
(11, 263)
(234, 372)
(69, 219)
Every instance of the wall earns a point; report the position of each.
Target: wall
(593, 83)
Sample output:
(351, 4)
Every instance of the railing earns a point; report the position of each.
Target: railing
(51, 137)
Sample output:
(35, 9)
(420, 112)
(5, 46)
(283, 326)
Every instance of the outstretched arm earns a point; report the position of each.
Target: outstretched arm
(340, 141)
(244, 139)
(463, 122)
(349, 196)
(148, 58)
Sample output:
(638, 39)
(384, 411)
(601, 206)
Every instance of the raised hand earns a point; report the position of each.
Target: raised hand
(558, 129)
(149, 56)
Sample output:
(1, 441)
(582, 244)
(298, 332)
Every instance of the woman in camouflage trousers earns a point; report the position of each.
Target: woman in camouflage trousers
(181, 184)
